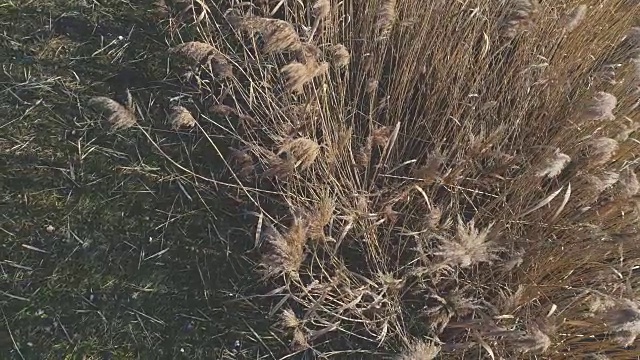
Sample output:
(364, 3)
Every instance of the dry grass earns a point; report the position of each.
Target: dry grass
(460, 189)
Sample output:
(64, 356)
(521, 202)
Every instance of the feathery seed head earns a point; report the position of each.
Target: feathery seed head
(372, 86)
(223, 110)
(221, 67)
(420, 350)
(626, 130)
(204, 53)
(296, 74)
(608, 74)
(308, 54)
(514, 262)
(469, 247)
(598, 183)
(363, 155)
(389, 214)
(628, 185)
(119, 116)
(243, 160)
(340, 56)
(534, 341)
(624, 321)
(180, 117)
(289, 319)
(575, 17)
(434, 217)
(430, 171)
(381, 135)
(600, 150)
(554, 165)
(280, 167)
(277, 35)
(195, 50)
(459, 304)
(321, 8)
(320, 217)
(386, 17)
(248, 24)
(161, 10)
(280, 36)
(517, 17)
(285, 252)
(303, 151)
(599, 303)
(299, 340)
(602, 107)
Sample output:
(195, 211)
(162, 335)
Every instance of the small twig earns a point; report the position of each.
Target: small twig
(15, 345)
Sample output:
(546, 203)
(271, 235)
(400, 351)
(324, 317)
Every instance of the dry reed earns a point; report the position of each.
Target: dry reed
(464, 182)
(600, 150)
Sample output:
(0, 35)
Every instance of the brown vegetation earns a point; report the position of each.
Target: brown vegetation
(463, 189)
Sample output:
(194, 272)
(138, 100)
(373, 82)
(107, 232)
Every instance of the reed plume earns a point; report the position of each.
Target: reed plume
(386, 17)
(575, 17)
(180, 117)
(119, 116)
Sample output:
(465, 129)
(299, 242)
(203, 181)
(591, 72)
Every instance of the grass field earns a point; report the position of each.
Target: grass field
(457, 178)
(106, 252)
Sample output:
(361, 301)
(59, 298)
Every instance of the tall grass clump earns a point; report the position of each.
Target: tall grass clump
(434, 179)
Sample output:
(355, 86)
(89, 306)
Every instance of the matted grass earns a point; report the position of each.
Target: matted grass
(105, 251)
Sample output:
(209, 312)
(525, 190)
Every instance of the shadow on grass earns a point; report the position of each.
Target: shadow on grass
(107, 250)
